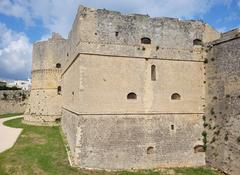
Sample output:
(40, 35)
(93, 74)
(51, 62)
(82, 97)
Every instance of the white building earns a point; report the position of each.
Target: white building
(24, 85)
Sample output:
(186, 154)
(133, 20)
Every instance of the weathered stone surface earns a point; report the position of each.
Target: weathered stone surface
(223, 103)
(123, 141)
(13, 101)
(103, 62)
(45, 101)
(107, 61)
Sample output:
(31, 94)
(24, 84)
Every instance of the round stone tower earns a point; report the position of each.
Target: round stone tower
(45, 100)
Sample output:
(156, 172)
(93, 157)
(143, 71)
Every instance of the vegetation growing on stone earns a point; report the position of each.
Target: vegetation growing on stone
(40, 150)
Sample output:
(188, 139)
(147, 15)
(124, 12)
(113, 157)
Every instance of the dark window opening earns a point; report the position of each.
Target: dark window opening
(116, 33)
(172, 127)
(176, 96)
(199, 149)
(58, 65)
(59, 90)
(153, 73)
(58, 120)
(197, 42)
(131, 96)
(146, 40)
(67, 54)
(150, 150)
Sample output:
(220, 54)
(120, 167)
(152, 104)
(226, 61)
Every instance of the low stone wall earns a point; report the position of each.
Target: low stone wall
(134, 141)
(13, 101)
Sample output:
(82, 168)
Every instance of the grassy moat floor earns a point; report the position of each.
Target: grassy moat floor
(9, 115)
(40, 150)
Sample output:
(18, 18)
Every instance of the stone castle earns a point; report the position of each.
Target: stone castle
(137, 92)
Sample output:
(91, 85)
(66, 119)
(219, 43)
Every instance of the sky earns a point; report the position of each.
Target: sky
(23, 22)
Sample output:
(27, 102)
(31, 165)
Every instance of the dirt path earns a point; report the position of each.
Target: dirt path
(8, 136)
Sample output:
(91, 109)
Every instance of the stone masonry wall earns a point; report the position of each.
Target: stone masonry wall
(134, 141)
(106, 62)
(104, 32)
(14, 101)
(45, 101)
(223, 103)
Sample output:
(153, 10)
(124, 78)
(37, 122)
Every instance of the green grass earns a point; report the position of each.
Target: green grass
(40, 150)
(198, 171)
(10, 115)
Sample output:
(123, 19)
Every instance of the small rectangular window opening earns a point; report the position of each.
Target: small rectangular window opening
(153, 73)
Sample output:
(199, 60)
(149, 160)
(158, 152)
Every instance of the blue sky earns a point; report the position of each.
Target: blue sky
(23, 22)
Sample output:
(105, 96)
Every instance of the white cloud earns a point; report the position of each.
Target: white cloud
(54, 15)
(58, 15)
(15, 54)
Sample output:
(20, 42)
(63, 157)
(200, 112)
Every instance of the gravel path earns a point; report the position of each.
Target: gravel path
(8, 136)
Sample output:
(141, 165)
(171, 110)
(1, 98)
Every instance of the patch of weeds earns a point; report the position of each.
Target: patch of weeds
(195, 171)
(204, 134)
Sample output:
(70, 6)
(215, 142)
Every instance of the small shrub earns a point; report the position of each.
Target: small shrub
(204, 134)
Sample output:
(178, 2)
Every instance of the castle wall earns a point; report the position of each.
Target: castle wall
(107, 61)
(223, 101)
(45, 100)
(108, 27)
(14, 101)
(100, 96)
(135, 141)
(103, 83)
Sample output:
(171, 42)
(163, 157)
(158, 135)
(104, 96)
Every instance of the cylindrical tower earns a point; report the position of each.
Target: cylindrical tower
(45, 100)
